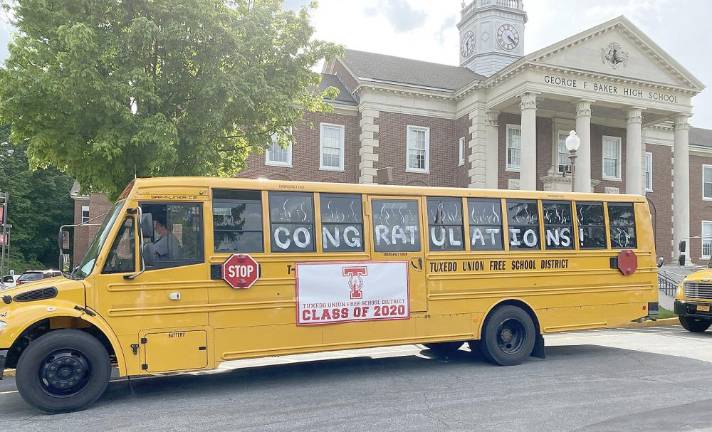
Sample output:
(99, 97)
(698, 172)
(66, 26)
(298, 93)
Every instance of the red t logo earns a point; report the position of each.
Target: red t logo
(355, 280)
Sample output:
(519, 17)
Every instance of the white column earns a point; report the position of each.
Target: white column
(681, 186)
(492, 160)
(583, 155)
(368, 151)
(527, 166)
(634, 152)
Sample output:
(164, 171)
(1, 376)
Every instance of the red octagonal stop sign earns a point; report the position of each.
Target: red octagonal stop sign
(240, 271)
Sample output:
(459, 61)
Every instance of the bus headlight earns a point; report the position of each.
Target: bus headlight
(3, 324)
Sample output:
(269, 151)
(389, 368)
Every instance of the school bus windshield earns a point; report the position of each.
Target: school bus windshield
(87, 265)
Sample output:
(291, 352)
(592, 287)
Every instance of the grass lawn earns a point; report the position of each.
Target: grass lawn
(664, 313)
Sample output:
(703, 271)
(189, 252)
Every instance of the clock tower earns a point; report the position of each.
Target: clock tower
(491, 34)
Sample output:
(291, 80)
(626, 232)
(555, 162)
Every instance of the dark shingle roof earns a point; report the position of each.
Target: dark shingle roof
(329, 80)
(406, 71)
(701, 137)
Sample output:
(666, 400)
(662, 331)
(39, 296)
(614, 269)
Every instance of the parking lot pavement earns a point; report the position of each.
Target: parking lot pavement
(609, 380)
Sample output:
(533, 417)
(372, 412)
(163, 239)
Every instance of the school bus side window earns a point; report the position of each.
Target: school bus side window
(523, 218)
(291, 221)
(445, 224)
(621, 216)
(237, 221)
(592, 225)
(485, 224)
(121, 257)
(558, 225)
(396, 226)
(177, 235)
(341, 223)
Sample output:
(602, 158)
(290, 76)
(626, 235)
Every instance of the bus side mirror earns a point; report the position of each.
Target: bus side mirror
(147, 225)
(661, 261)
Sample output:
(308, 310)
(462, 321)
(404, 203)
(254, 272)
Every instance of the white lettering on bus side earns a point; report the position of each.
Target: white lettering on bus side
(529, 238)
(398, 235)
(439, 236)
(283, 238)
(558, 237)
(350, 235)
(478, 237)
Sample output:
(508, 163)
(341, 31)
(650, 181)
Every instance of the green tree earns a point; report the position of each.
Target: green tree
(39, 204)
(108, 90)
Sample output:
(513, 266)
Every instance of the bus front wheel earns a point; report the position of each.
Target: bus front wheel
(62, 371)
(695, 325)
(508, 337)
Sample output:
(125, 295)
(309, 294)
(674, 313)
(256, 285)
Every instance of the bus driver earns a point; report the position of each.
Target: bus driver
(165, 246)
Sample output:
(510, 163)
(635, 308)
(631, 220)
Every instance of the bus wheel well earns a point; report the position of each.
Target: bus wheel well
(48, 325)
(520, 304)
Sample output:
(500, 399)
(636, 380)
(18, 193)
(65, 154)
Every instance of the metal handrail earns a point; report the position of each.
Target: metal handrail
(666, 284)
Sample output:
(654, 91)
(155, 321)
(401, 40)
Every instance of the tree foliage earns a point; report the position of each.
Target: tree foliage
(106, 90)
(39, 203)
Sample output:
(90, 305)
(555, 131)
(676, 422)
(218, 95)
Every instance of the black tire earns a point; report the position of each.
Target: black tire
(508, 337)
(443, 348)
(63, 371)
(695, 325)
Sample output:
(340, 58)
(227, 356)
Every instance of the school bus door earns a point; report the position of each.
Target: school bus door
(396, 231)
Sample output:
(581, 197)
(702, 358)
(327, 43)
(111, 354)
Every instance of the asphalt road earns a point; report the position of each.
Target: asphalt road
(610, 380)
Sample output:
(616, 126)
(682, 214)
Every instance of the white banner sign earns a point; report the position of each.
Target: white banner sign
(355, 291)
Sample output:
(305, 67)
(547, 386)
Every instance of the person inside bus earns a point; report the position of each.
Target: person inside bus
(165, 246)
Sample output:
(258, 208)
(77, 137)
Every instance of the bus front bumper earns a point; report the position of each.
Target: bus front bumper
(691, 310)
(3, 356)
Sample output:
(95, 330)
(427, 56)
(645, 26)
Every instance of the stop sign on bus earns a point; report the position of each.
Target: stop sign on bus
(240, 271)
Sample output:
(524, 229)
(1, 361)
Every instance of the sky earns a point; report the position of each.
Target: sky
(426, 29)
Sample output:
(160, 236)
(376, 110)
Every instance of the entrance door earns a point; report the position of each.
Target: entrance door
(396, 227)
(169, 293)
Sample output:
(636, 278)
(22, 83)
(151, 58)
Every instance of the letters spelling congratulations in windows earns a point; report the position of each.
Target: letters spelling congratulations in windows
(395, 226)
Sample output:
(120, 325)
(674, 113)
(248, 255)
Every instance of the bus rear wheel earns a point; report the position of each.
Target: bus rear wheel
(63, 371)
(508, 337)
(443, 348)
(695, 325)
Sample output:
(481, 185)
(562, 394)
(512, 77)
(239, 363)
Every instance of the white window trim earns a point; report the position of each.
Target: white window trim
(287, 164)
(649, 187)
(85, 208)
(620, 159)
(702, 240)
(704, 198)
(555, 151)
(426, 170)
(508, 166)
(563, 126)
(341, 145)
(461, 151)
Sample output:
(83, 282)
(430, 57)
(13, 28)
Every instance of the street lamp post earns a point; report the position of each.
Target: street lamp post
(573, 142)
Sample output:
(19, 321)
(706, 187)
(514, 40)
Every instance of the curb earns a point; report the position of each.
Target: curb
(667, 322)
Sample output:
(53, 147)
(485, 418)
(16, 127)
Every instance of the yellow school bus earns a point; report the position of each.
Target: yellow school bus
(187, 273)
(693, 301)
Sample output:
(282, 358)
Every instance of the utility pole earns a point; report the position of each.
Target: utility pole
(4, 233)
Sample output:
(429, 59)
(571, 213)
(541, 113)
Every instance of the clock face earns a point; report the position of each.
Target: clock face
(468, 44)
(507, 37)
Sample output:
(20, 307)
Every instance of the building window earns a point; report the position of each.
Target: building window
(612, 158)
(562, 158)
(418, 149)
(85, 214)
(461, 151)
(331, 145)
(707, 182)
(277, 155)
(648, 172)
(514, 147)
(706, 239)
